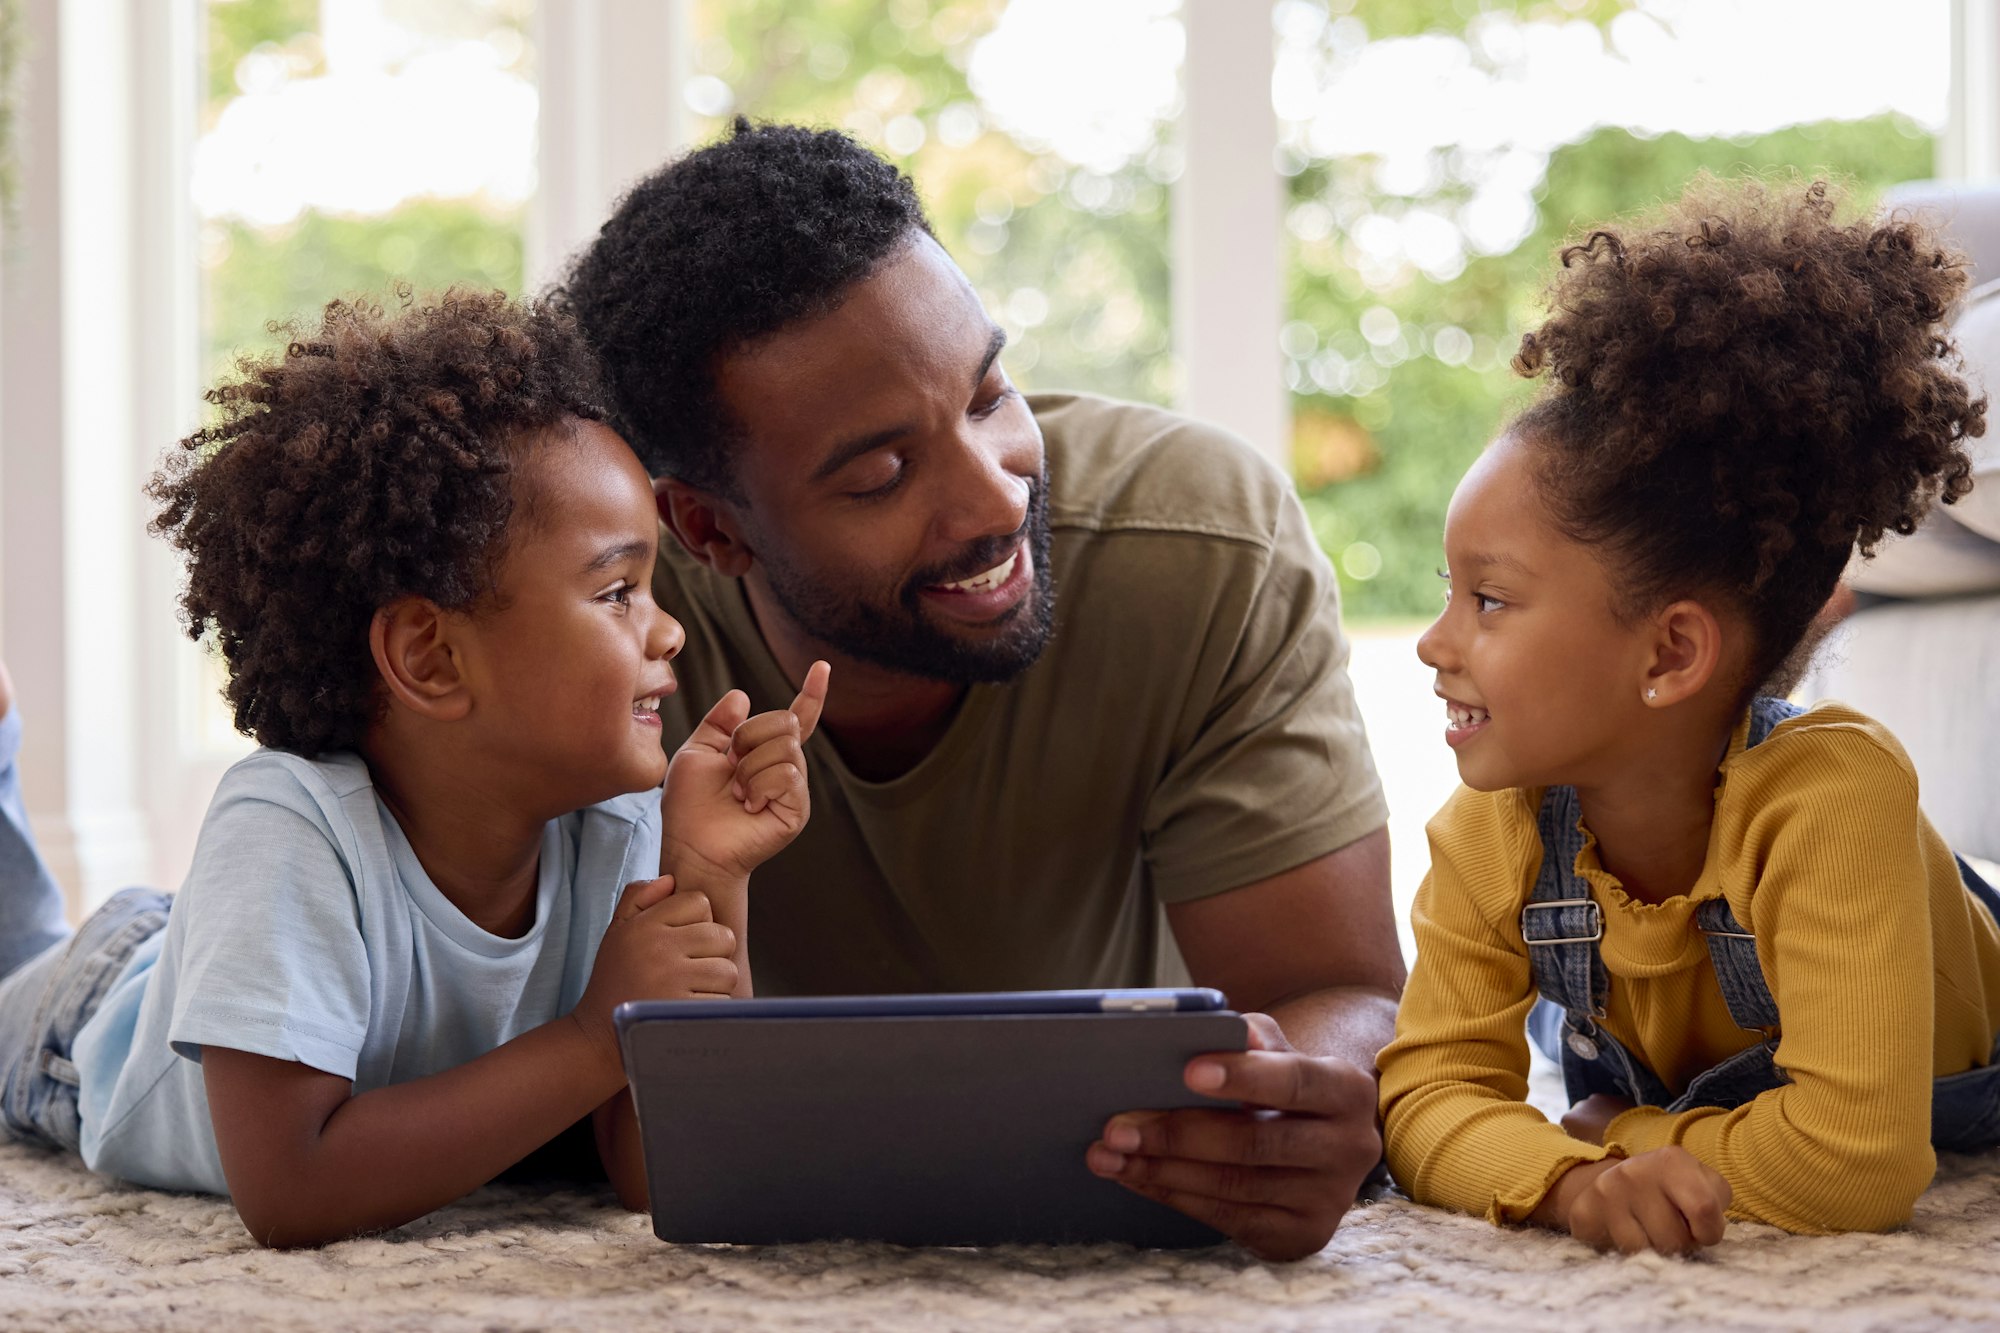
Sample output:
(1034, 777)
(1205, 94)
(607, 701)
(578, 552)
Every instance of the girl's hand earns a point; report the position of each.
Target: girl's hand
(1667, 1200)
(736, 790)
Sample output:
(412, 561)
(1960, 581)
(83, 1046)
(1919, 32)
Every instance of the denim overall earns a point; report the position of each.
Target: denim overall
(1562, 924)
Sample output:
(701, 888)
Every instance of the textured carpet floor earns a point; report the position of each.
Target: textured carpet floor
(79, 1252)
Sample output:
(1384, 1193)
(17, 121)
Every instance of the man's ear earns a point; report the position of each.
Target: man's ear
(706, 528)
(418, 659)
(1688, 649)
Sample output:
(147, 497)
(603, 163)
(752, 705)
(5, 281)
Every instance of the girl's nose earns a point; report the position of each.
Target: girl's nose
(666, 637)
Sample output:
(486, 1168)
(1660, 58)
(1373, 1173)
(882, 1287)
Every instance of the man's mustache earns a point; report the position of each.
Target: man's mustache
(988, 552)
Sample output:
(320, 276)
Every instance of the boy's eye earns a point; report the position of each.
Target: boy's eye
(1482, 603)
(621, 594)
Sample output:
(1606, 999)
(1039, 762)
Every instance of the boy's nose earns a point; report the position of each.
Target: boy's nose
(666, 637)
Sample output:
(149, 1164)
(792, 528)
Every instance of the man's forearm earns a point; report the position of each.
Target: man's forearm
(1353, 1023)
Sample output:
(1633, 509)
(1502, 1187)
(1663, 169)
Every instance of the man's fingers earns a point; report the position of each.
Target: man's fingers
(641, 894)
(1284, 1081)
(812, 699)
(1265, 1034)
(1275, 1234)
(1278, 1187)
(1244, 1137)
(681, 909)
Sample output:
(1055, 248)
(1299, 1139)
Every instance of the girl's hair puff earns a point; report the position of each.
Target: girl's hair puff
(1742, 388)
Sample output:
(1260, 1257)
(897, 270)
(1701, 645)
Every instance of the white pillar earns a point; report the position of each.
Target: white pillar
(1969, 148)
(83, 380)
(1228, 245)
(612, 74)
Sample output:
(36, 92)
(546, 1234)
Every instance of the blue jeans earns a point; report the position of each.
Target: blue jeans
(50, 981)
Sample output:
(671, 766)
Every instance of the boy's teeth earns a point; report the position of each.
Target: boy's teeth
(992, 578)
(650, 704)
(1459, 717)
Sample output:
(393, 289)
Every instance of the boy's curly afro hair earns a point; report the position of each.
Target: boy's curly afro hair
(372, 459)
(729, 243)
(1742, 389)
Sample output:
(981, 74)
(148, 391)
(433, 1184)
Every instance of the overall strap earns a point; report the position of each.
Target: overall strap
(1561, 922)
(1731, 948)
(1733, 951)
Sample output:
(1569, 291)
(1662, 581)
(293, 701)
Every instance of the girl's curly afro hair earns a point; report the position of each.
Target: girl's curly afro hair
(372, 459)
(1741, 389)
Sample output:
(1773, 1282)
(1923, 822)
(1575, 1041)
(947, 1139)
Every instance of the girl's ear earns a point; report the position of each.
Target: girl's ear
(704, 527)
(1688, 648)
(419, 660)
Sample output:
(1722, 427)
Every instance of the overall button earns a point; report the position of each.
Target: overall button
(1583, 1046)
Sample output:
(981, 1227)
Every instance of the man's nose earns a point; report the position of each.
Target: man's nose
(988, 494)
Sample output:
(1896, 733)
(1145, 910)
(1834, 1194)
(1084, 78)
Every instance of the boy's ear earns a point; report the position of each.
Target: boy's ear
(1688, 649)
(705, 527)
(418, 660)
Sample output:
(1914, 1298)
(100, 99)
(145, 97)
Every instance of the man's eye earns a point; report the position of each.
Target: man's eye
(878, 492)
(981, 411)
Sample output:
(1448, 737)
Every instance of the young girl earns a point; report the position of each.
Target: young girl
(391, 970)
(1773, 986)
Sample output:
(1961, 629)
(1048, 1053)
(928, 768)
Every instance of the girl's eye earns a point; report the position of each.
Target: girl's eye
(1482, 603)
(622, 594)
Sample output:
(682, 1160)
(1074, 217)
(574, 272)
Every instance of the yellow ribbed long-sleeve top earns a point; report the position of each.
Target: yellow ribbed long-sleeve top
(1885, 969)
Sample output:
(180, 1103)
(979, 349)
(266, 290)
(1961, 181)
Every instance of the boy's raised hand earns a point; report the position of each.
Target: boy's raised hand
(1666, 1200)
(736, 789)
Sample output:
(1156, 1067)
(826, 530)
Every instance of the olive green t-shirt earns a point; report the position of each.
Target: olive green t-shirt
(1188, 729)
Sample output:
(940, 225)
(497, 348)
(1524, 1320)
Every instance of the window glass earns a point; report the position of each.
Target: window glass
(1438, 154)
(1044, 164)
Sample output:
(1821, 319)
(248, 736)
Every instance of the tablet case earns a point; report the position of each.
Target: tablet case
(931, 1130)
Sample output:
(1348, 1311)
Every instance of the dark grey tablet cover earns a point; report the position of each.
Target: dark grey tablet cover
(932, 1130)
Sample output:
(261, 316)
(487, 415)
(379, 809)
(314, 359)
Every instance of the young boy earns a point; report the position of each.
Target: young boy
(391, 970)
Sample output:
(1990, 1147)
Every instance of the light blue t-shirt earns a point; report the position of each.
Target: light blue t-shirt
(308, 931)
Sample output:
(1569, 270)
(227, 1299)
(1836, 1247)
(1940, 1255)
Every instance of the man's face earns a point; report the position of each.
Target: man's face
(894, 496)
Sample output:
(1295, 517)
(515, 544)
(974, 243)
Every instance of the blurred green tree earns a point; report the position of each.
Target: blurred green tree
(1398, 374)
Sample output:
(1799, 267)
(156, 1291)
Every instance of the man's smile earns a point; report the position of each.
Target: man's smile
(990, 595)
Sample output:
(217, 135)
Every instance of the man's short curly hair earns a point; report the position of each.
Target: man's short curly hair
(372, 459)
(734, 241)
(1744, 387)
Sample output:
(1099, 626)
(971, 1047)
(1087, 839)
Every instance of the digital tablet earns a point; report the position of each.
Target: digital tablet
(917, 1119)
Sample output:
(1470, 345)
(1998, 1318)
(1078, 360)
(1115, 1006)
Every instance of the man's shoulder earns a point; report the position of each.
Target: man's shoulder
(1131, 467)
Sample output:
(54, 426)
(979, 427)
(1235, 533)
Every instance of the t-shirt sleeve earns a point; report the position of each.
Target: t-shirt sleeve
(1278, 771)
(268, 930)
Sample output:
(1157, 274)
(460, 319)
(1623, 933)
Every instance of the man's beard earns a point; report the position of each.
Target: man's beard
(903, 638)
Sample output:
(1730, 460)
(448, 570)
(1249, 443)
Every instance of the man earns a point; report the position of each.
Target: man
(1087, 661)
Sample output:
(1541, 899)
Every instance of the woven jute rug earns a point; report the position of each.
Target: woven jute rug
(81, 1252)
